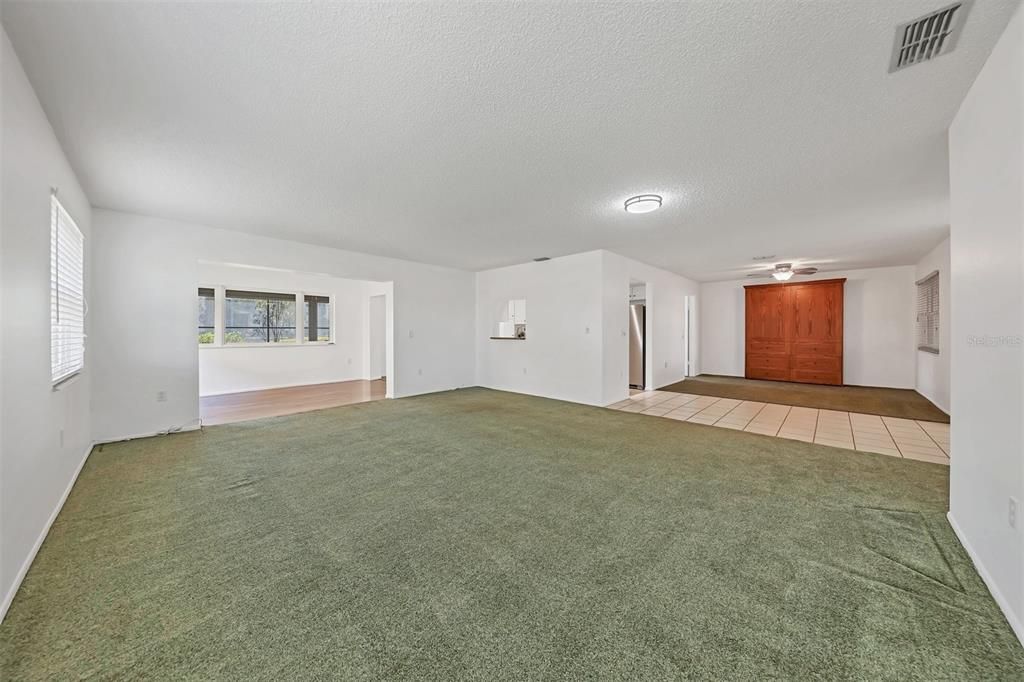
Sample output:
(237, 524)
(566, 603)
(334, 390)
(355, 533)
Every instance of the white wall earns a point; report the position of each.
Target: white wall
(879, 309)
(431, 309)
(45, 433)
(561, 355)
(986, 155)
(233, 368)
(932, 369)
(665, 309)
(577, 311)
(376, 337)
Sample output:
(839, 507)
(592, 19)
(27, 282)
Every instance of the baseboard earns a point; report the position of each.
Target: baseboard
(179, 429)
(23, 571)
(290, 385)
(927, 397)
(1004, 605)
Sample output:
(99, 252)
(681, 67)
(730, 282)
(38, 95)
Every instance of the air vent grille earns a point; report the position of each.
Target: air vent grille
(928, 37)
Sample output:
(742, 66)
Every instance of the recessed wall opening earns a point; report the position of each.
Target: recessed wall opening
(274, 342)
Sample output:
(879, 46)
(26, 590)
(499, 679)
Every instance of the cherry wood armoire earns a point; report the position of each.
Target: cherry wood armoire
(795, 331)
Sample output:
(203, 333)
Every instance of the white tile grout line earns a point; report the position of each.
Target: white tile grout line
(789, 409)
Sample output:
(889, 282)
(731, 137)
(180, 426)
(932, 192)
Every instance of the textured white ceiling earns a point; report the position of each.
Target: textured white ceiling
(478, 135)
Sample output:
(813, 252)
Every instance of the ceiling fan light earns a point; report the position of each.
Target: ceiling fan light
(782, 275)
(643, 203)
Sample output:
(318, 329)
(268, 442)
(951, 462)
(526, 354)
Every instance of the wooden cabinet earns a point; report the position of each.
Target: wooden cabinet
(794, 332)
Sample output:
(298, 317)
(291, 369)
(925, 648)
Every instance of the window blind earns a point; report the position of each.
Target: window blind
(928, 313)
(67, 295)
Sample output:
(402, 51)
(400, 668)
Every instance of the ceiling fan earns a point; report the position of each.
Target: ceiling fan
(783, 271)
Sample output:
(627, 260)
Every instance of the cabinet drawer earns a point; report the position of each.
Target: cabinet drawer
(771, 374)
(826, 348)
(769, 347)
(818, 364)
(768, 361)
(810, 376)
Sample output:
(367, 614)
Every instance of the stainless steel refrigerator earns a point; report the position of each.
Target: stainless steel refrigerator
(637, 327)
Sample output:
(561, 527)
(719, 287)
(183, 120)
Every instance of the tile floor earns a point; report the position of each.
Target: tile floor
(925, 441)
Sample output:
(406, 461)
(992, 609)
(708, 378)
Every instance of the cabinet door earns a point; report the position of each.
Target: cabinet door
(817, 345)
(768, 322)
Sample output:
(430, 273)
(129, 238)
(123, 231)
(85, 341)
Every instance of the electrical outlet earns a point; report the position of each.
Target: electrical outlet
(666, 364)
(586, 330)
(161, 396)
(350, 361)
(410, 334)
(524, 370)
(420, 371)
(1011, 512)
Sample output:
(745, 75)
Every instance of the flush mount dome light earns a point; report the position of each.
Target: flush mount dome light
(782, 275)
(643, 203)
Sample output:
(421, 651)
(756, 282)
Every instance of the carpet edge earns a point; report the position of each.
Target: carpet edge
(997, 595)
(19, 577)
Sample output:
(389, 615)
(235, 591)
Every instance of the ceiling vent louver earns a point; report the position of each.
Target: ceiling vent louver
(929, 36)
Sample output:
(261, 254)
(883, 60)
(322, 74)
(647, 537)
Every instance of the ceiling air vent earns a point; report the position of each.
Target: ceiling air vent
(928, 37)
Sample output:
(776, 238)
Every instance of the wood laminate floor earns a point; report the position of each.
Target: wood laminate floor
(274, 402)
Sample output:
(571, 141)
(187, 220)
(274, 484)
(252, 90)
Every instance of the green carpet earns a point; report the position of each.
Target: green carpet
(485, 535)
(887, 402)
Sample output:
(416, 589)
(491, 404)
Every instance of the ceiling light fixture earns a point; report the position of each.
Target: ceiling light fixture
(643, 203)
(782, 275)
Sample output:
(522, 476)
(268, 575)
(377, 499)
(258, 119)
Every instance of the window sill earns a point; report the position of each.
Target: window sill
(66, 381)
(928, 349)
(265, 345)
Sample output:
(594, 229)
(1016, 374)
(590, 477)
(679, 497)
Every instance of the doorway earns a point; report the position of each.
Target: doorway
(688, 341)
(378, 337)
(637, 336)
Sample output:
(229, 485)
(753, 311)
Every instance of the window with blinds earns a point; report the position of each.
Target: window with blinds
(928, 313)
(67, 295)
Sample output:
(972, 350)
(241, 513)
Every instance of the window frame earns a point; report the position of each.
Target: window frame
(220, 317)
(59, 216)
(928, 319)
(254, 295)
(330, 320)
(213, 328)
